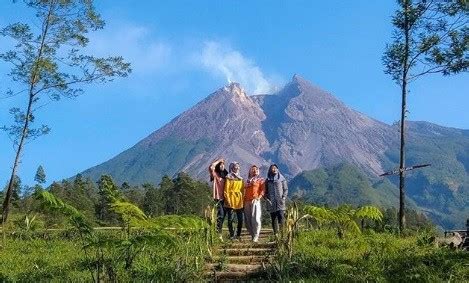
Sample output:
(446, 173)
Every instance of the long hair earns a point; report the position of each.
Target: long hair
(269, 173)
(219, 172)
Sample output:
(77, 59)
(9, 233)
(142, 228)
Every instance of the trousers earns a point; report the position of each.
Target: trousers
(278, 217)
(252, 215)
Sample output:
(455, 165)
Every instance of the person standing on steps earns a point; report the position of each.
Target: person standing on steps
(233, 195)
(254, 191)
(276, 195)
(217, 177)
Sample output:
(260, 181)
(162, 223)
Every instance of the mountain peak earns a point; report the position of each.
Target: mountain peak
(235, 88)
(298, 79)
(303, 83)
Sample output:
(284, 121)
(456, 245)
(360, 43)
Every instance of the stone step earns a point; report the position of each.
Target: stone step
(241, 259)
(246, 251)
(250, 244)
(247, 239)
(261, 236)
(234, 267)
(265, 235)
(229, 276)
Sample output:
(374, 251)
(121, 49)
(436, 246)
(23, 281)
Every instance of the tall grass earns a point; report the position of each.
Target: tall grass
(321, 255)
(164, 256)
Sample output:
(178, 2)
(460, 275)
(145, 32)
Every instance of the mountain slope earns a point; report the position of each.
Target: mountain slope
(227, 123)
(308, 128)
(301, 127)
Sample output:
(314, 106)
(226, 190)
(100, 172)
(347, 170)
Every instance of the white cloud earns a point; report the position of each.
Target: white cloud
(136, 44)
(153, 58)
(221, 60)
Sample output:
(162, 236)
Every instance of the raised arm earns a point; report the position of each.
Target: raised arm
(211, 168)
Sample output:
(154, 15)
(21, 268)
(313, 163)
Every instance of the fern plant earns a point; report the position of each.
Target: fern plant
(76, 218)
(128, 213)
(344, 218)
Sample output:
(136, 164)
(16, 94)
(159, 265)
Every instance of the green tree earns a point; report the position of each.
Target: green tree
(40, 176)
(134, 194)
(82, 194)
(166, 187)
(17, 188)
(152, 202)
(108, 192)
(185, 196)
(48, 62)
(430, 36)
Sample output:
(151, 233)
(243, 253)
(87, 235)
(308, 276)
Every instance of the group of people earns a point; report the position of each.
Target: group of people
(235, 196)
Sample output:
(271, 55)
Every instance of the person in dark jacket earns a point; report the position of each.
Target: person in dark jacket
(276, 195)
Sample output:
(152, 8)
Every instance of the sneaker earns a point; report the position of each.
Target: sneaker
(256, 239)
(220, 237)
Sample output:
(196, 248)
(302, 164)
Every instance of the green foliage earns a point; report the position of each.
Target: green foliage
(17, 187)
(368, 212)
(320, 256)
(442, 190)
(320, 214)
(36, 260)
(40, 176)
(134, 194)
(48, 62)
(179, 222)
(185, 195)
(82, 193)
(175, 151)
(344, 217)
(342, 184)
(51, 202)
(147, 256)
(429, 37)
(111, 257)
(127, 211)
(129, 214)
(152, 204)
(108, 193)
(76, 218)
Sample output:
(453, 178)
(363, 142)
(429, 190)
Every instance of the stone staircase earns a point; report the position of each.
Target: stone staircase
(240, 260)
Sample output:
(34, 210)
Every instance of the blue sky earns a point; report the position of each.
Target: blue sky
(181, 51)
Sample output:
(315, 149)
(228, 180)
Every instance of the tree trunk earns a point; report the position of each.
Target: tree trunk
(403, 116)
(24, 132)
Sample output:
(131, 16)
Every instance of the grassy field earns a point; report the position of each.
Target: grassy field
(318, 255)
(145, 256)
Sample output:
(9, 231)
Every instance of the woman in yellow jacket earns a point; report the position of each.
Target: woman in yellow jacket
(233, 195)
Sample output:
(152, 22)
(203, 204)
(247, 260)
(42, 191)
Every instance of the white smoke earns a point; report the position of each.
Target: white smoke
(220, 59)
(136, 44)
